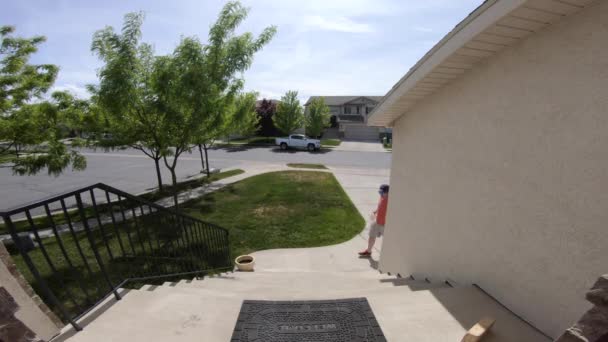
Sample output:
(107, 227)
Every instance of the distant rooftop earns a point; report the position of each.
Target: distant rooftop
(340, 100)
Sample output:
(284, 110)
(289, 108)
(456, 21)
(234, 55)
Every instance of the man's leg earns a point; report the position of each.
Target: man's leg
(370, 243)
(373, 233)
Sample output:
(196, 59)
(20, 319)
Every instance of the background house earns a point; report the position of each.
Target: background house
(349, 116)
(500, 172)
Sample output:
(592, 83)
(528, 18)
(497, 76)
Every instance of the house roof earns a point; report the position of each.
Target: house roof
(493, 26)
(340, 100)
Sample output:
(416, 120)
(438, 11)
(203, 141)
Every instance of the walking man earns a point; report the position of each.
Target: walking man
(377, 225)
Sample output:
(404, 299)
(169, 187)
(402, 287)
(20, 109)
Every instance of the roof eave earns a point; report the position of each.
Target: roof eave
(447, 60)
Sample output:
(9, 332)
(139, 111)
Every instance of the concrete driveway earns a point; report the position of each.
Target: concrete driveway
(360, 146)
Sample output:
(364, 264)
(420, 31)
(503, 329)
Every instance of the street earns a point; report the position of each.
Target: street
(133, 172)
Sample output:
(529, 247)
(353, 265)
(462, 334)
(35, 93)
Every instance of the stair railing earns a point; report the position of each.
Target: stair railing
(82, 246)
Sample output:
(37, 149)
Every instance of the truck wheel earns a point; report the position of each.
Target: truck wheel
(283, 146)
(311, 147)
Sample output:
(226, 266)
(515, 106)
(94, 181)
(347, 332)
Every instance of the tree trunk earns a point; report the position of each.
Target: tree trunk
(159, 178)
(207, 160)
(200, 150)
(174, 180)
(17, 150)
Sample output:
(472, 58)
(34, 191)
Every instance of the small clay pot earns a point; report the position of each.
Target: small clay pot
(245, 263)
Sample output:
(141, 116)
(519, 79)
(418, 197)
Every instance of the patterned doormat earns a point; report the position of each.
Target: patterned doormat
(343, 320)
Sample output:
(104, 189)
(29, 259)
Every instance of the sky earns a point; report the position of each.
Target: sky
(322, 47)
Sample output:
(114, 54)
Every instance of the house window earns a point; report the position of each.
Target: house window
(368, 110)
(347, 110)
(357, 110)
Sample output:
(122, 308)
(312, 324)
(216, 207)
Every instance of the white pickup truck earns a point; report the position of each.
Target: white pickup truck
(298, 141)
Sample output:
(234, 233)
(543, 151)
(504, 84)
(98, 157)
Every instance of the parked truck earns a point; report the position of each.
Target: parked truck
(298, 141)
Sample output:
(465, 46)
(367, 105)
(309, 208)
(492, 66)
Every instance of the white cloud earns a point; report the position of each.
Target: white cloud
(77, 76)
(269, 94)
(76, 90)
(310, 53)
(341, 24)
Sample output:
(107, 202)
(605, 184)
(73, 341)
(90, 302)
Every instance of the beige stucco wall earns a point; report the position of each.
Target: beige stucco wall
(501, 178)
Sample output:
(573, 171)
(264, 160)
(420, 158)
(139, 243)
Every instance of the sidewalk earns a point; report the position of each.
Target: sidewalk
(360, 146)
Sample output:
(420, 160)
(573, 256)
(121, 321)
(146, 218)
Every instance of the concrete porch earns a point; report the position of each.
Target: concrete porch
(206, 309)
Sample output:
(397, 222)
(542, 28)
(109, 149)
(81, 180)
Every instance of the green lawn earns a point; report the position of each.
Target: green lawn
(307, 166)
(5, 158)
(44, 222)
(274, 210)
(281, 210)
(331, 142)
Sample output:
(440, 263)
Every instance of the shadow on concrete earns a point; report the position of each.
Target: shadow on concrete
(372, 262)
(87, 319)
(414, 285)
(292, 151)
(240, 148)
(470, 304)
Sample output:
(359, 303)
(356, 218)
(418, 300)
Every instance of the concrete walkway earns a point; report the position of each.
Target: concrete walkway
(360, 146)
(406, 309)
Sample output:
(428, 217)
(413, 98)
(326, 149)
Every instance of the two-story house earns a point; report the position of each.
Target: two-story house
(349, 114)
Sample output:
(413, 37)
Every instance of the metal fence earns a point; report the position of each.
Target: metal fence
(84, 245)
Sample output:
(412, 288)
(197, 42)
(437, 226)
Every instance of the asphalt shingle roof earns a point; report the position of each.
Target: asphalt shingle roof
(340, 100)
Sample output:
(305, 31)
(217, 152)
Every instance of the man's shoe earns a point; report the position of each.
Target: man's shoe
(365, 253)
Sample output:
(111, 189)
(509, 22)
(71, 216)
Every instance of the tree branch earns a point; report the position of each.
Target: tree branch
(7, 148)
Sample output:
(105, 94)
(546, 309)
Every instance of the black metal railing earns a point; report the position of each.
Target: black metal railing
(84, 245)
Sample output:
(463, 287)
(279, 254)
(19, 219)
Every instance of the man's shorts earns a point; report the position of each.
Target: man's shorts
(376, 230)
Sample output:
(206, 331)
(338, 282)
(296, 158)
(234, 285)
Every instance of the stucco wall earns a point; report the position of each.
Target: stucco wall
(501, 178)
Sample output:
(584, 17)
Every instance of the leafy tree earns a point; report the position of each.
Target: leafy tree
(289, 115)
(245, 120)
(239, 117)
(317, 117)
(51, 120)
(23, 120)
(21, 82)
(266, 110)
(19, 130)
(198, 84)
(126, 92)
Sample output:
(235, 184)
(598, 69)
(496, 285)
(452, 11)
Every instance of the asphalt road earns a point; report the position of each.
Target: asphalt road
(133, 172)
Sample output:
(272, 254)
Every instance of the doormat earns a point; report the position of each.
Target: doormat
(343, 320)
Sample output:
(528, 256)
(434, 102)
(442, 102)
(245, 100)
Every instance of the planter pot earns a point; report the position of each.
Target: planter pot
(245, 263)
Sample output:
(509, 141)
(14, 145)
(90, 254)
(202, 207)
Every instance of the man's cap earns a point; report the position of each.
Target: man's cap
(384, 187)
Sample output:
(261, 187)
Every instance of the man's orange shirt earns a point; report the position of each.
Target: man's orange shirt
(381, 211)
